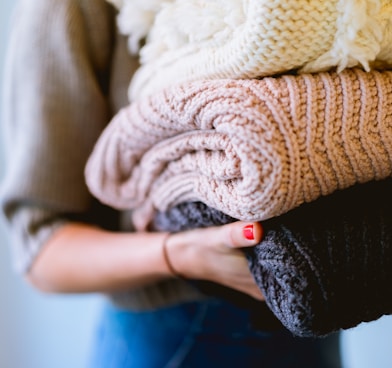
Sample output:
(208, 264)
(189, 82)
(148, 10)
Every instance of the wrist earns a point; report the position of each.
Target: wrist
(167, 257)
(182, 255)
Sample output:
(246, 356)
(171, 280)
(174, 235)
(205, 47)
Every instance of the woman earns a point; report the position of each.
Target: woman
(67, 74)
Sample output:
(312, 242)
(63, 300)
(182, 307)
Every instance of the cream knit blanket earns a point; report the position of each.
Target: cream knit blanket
(253, 149)
(188, 40)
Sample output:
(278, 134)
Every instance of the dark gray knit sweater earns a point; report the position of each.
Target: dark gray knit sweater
(322, 267)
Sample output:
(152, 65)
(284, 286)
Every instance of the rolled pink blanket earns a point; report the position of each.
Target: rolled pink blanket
(253, 149)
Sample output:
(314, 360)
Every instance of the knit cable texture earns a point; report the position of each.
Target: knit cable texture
(253, 149)
(192, 40)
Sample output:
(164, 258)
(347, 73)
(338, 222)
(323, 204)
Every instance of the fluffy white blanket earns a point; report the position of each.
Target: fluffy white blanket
(189, 40)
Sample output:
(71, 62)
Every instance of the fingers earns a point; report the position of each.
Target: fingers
(242, 234)
(214, 254)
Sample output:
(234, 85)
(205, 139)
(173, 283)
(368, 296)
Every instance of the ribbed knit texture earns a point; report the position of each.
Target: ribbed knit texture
(322, 267)
(193, 40)
(253, 149)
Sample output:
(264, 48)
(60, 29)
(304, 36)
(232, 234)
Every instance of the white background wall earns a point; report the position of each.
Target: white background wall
(41, 331)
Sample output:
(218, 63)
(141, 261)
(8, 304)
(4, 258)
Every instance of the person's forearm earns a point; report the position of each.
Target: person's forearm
(82, 258)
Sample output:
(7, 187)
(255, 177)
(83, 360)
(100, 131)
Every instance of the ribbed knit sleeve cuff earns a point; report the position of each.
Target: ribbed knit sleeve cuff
(322, 267)
(29, 228)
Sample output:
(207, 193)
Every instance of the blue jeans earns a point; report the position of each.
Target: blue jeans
(208, 334)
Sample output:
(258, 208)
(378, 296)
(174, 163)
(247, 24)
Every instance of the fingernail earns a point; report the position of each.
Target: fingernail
(248, 232)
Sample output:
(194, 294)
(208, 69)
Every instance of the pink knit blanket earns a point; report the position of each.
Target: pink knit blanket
(253, 149)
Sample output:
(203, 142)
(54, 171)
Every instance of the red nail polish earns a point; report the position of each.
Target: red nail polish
(248, 232)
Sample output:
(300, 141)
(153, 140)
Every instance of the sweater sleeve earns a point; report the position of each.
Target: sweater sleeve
(55, 106)
(322, 267)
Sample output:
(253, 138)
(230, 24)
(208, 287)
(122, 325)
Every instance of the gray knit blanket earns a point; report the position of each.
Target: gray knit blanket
(322, 267)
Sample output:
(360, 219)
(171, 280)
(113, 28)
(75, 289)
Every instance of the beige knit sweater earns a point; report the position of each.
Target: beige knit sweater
(253, 149)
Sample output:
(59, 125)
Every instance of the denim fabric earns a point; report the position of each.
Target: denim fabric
(208, 334)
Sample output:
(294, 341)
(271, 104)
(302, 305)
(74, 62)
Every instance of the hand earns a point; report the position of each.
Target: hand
(214, 254)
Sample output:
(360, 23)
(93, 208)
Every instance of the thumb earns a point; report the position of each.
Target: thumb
(243, 234)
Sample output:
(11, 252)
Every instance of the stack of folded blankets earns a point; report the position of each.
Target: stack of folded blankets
(272, 111)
